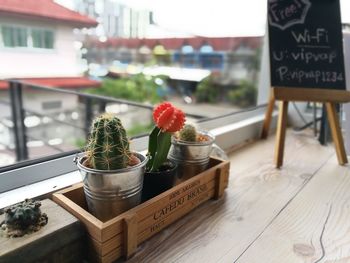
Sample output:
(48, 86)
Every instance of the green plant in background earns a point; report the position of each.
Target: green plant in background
(188, 133)
(206, 91)
(139, 129)
(244, 95)
(80, 143)
(108, 147)
(135, 88)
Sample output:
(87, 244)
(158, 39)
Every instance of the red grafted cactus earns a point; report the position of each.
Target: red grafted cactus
(168, 119)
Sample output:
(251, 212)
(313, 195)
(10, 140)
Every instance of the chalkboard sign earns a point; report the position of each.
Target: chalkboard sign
(306, 48)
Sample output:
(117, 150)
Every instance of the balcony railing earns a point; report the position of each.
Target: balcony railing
(43, 121)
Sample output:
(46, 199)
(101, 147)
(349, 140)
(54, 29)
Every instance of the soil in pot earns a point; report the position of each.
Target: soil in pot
(155, 183)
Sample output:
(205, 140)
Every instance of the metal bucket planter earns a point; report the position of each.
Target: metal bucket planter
(191, 157)
(109, 193)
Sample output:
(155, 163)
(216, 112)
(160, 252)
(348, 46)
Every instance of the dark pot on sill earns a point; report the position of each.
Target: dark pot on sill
(155, 183)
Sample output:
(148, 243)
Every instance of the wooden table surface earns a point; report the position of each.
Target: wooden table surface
(300, 213)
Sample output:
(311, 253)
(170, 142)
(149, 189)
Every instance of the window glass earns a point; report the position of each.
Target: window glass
(21, 37)
(207, 63)
(42, 38)
(37, 38)
(7, 36)
(48, 39)
(7, 145)
(14, 36)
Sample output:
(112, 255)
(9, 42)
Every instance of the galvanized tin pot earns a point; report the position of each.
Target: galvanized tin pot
(191, 157)
(110, 193)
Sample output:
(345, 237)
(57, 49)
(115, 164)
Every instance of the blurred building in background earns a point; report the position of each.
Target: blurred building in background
(232, 58)
(115, 19)
(37, 45)
(128, 56)
(37, 39)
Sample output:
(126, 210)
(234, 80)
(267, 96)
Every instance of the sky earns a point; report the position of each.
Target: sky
(211, 18)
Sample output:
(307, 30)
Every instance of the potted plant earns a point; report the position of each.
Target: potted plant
(112, 174)
(160, 172)
(191, 151)
(23, 218)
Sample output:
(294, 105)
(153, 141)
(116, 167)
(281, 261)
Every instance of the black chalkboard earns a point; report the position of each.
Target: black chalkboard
(306, 46)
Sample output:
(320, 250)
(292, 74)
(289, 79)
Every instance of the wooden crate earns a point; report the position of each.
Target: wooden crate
(121, 235)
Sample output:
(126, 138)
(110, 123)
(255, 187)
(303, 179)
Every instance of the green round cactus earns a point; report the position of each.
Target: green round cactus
(188, 133)
(23, 214)
(108, 147)
(23, 218)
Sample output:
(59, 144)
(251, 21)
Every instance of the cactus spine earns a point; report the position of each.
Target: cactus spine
(188, 133)
(108, 147)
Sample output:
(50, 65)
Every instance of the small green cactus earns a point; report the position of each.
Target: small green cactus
(108, 147)
(23, 218)
(188, 133)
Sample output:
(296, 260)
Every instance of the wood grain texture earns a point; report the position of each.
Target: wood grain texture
(315, 227)
(281, 132)
(107, 246)
(220, 182)
(310, 94)
(92, 224)
(256, 195)
(268, 116)
(337, 136)
(130, 237)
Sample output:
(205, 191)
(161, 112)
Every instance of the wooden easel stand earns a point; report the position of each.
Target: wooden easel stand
(284, 95)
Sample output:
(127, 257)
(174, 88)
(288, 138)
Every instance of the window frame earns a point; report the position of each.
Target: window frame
(30, 42)
(15, 37)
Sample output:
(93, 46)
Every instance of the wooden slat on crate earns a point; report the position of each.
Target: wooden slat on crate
(103, 248)
(112, 228)
(158, 225)
(121, 235)
(174, 200)
(92, 224)
(115, 242)
(220, 176)
(130, 236)
(77, 194)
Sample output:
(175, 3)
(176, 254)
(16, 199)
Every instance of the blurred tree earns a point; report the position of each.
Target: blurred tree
(207, 91)
(134, 88)
(244, 95)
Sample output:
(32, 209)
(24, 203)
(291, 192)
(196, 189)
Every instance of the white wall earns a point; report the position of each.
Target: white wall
(347, 75)
(62, 61)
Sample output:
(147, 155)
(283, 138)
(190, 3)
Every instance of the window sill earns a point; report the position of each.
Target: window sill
(39, 189)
